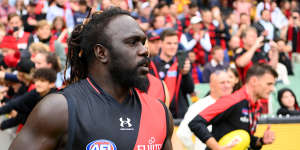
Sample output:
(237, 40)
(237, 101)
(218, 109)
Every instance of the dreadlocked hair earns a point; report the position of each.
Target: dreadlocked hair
(83, 40)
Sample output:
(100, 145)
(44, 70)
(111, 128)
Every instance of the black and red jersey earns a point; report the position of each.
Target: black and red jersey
(232, 112)
(98, 121)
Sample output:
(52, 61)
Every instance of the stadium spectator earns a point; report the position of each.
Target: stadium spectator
(16, 29)
(217, 63)
(234, 78)
(43, 34)
(49, 60)
(196, 38)
(2, 31)
(266, 29)
(293, 35)
(60, 31)
(185, 18)
(20, 7)
(263, 5)
(31, 19)
(219, 86)
(60, 9)
(6, 9)
(234, 45)
(288, 103)
(284, 58)
(44, 84)
(81, 13)
(154, 43)
(251, 52)
(178, 80)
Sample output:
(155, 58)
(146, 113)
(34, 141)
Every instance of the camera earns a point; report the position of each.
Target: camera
(181, 56)
(15, 29)
(266, 40)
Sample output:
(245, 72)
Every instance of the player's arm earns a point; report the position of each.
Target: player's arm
(167, 95)
(168, 143)
(46, 125)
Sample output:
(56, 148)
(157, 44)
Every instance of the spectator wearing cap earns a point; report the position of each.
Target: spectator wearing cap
(216, 63)
(5, 9)
(154, 43)
(8, 46)
(16, 29)
(31, 19)
(44, 84)
(60, 9)
(81, 13)
(142, 16)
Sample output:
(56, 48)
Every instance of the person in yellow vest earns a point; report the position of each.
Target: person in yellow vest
(178, 79)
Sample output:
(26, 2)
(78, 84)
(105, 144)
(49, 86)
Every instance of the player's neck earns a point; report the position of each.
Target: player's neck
(116, 90)
(250, 92)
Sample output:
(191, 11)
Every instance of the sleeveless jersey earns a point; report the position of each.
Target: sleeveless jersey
(97, 121)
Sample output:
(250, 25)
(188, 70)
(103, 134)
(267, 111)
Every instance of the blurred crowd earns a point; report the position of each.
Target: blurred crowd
(214, 35)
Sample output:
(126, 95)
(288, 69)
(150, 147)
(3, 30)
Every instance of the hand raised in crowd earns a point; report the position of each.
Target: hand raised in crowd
(259, 43)
(265, 33)
(196, 36)
(13, 114)
(186, 67)
(31, 21)
(269, 136)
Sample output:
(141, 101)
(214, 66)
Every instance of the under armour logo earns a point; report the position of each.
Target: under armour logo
(127, 122)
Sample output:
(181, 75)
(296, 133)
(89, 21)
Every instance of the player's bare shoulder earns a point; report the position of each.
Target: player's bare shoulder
(47, 124)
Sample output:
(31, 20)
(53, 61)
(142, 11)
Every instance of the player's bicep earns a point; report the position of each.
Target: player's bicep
(45, 126)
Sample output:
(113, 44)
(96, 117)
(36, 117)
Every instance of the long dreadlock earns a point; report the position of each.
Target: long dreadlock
(83, 40)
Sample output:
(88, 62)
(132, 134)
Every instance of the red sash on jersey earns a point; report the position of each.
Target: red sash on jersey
(171, 80)
(156, 88)
(152, 132)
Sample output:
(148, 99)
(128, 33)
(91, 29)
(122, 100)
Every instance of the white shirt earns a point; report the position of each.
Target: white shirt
(260, 7)
(278, 18)
(184, 133)
(282, 74)
(189, 45)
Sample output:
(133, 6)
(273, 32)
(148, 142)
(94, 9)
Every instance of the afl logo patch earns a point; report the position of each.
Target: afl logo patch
(101, 145)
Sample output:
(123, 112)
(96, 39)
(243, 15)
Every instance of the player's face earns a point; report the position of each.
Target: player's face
(128, 56)
(265, 85)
